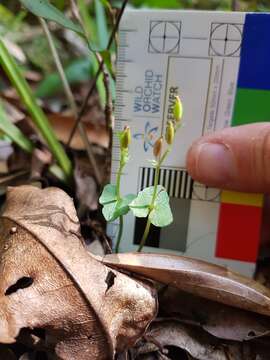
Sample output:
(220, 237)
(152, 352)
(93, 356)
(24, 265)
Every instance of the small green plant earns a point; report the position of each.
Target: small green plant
(152, 202)
(114, 205)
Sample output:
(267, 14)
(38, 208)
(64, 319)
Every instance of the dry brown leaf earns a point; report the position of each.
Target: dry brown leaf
(198, 278)
(48, 280)
(86, 187)
(15, 50)
(196, 342)
(41, 158)
(14, 114)
(219, 320)
(63, 125)
(25, 357)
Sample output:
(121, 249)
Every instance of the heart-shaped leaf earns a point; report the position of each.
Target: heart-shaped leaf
(140, 205)
(108, 194)
(109, 210)
(113, 208)
(161, 214)
(122, 207)
(47, 11)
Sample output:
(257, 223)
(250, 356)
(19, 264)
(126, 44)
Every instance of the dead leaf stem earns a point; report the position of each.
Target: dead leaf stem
(72, 102)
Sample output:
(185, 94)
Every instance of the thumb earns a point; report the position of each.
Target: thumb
(236, 158)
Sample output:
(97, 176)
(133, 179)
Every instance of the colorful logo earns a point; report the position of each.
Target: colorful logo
(149, 136)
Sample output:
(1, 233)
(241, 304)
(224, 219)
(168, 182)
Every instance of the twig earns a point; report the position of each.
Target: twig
(71, 101)
(113, 15)
(92, 88)
(109, 117)
(106, 79)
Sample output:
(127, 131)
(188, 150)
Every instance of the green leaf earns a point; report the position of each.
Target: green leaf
(100, 84)
(89, 23)
(47, 11)
(107, 58)
(77, 71)
(13, 132)
(140, 205)
(161, 215)
(106, 4)
(108, 194)
(6, 15)
(140, 212)
(112, 209)
(102, 29)
(122, 207)
(108, 211)
(145, 196)
(14, 74)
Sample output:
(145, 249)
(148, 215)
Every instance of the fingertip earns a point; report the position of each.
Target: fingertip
(212, 163)
(191, 161)
(234, 158)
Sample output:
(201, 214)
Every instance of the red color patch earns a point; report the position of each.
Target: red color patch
(239, 232)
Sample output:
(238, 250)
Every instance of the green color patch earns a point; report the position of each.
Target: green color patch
(251, 106)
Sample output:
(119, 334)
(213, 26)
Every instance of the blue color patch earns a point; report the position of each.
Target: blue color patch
(254, 72)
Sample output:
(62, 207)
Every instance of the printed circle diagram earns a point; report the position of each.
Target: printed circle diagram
(164, 37)
(205, 193)
(225, 39)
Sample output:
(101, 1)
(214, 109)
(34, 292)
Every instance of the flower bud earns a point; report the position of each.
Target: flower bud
(158, 147)
(170, 132)
(125, 138)
(178, 109)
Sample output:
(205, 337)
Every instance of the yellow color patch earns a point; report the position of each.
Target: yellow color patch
(238, 198)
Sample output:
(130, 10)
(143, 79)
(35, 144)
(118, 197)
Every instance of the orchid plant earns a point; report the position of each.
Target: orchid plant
(152, 202)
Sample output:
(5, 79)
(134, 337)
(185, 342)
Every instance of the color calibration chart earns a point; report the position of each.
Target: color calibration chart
(218, 63)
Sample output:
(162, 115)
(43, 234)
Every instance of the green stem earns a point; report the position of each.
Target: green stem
(118, 178)
(120, 233)
(118, 195)
(148, 224)
(145, 235)
(155, 185)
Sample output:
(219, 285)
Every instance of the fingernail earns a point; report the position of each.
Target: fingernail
(215, 163)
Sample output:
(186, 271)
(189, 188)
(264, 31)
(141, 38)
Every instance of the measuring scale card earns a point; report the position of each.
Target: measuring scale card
(217, 62)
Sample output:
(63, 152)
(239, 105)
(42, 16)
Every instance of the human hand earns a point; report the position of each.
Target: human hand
(236, 158)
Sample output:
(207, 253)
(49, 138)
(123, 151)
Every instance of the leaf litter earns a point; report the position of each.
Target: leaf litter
(50, 282)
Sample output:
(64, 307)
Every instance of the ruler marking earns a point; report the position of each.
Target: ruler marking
(125, 61)
(148, 177)
(119, 92)
(143, 178)
(170, 183)
(175, 183)
(207, 96)
(179, 185)
(185, 185)
(191, 187)
(219, 93)
(116, 172)
(127, 30)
